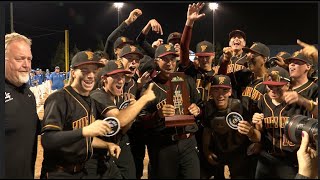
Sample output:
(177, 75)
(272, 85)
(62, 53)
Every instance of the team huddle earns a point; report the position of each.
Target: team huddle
(240, 107)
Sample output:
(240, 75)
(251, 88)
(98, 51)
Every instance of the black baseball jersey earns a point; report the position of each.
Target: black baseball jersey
(273, 137)
(224, 139)
(156, 125)
(202, 79)
(66, 110)
(309, 91)
(20, 127)
(250, 97)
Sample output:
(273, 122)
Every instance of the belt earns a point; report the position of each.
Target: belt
(177, 137)
(72, 168)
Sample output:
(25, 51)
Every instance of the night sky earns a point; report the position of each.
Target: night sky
(90, 22)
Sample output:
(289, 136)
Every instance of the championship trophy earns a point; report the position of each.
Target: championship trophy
(178, 96)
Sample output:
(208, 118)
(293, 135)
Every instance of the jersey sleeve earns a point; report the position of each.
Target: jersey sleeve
(104, 103)
(55, 112)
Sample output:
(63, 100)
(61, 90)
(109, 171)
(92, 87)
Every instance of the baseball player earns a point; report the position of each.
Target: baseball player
(69, 124)
(172, 150)
(222, 143)
(278, 157)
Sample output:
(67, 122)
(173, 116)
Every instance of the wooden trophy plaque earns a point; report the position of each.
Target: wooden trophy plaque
(178, 96)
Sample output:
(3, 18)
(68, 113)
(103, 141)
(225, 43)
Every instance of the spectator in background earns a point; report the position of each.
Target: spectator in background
(57, 79)
(38, 77)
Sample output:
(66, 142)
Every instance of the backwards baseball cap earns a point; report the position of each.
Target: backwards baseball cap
(165, 49)
(113, 67)
(175, 36)
(85, 57)
(120, 41)
(222, 81)
(130, 49)
(204, 48)
(299, 56)
(277, 76)
(237, 32)
(259, 48)
(57, 67)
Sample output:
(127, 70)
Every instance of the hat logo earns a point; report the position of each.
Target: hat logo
(89, 54)
(221, 80)
(295, 54)
(203, 48)
(123, 39)
(133, 48)
(119, 64)
(253, 45)
(168, 47)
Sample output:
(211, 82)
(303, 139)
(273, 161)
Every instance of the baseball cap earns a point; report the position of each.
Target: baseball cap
(299, 56)
(120, 41)
(221, 81)
(38, 69)
(130, 49)
(277, 76)
(259, 48)
(165, 49)
(148, 64)
(204, 48)
(174, 36)
(57, 67)
(282, 54)
(113, 67)
(236, 32)
(85, 57)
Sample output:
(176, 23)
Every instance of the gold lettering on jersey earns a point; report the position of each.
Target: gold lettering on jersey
(252, 93)
(274, 122)
(234, 68)
(89, 54)
(203, 48)
(286, 142)
(82, 122)
(161, 104)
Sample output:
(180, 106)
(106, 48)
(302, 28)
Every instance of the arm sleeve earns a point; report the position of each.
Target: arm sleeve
(108, 48)
(141, 40)
(57, 139)
(184, 46)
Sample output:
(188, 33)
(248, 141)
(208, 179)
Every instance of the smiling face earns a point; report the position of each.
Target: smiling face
(221, 96)
(298, 68)
(114, 83)
(18, 59)
(84, 78)
(133, 63)
(167, 64)
(237, 42)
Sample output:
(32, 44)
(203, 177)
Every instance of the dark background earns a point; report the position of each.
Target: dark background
(90, 22)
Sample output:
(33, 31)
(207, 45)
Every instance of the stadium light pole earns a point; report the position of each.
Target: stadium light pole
(213, 7)
(118, 5)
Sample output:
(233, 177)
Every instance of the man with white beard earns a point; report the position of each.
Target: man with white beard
(21, 121)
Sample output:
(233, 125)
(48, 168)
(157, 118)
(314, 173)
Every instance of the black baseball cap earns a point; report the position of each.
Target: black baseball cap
(259, 48)
(165, 49)
(282, 54)
(204, 48)
(277, 76)
(130, 49)
(85, 57)
(236, 32)
(222, 81)
(120, 41)
(175, 36)
(299, 56)
(113, 67)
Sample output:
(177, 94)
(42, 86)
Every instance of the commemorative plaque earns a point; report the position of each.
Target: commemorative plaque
(178, 96)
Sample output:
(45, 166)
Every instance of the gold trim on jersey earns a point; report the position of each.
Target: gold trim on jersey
(53, 126)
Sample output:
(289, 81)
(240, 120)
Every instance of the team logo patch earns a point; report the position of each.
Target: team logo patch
(233, 119)
(295, 54)
(133, 48)
(114, 124)
(124, 105)
(123, 39)
(89, 54)
(203, 48)
(119, 64)
(221, 80)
